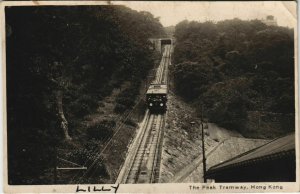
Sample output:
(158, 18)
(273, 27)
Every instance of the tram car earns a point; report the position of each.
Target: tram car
(156, 98)
(144, 176)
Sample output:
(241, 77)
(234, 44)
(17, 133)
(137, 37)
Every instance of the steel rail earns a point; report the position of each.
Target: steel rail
(142, 160)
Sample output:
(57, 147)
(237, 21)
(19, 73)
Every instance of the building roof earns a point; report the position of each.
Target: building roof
(157, 89)
(277, 148)
(270, 21)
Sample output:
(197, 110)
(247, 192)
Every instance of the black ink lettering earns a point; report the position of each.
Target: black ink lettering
(78, 189)
(103, 189)
(95, 189)
(116, 187)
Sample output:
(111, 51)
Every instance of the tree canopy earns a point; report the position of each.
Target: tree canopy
(234, 67)
(60, 61)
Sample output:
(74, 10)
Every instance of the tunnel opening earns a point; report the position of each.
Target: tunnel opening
(165, 42)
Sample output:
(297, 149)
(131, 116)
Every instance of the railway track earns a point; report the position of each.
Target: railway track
(142, 164)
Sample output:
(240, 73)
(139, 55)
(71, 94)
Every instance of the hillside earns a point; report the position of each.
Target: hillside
(242, 72)
(72, 73)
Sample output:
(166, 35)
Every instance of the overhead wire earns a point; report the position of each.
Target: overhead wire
(159, 76)
(122, 123)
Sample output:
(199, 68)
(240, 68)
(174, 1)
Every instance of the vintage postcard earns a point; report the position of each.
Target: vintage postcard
(148, 97)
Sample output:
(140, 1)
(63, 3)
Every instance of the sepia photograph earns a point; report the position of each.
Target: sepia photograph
(98, 95)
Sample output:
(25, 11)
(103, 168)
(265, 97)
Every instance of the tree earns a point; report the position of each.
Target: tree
(233, 67)
(61, 61)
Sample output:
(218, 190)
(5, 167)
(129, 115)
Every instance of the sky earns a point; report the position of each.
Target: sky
(172, 12)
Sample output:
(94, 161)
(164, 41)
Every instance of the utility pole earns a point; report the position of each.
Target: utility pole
(56, 168)
(55, 165)
(203, 146)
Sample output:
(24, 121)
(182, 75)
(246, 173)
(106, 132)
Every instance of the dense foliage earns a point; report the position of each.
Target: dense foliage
(60, 62)
(102, 131)
(236, 67)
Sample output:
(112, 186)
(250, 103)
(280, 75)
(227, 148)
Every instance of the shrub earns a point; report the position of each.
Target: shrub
(106, 90)
(126, 101)
(83, 105)
(119, 108)
(130, 122)
(101, 104)
(88, 156)
(225, 104)
(102, 130)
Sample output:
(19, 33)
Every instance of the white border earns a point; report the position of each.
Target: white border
(134, 188)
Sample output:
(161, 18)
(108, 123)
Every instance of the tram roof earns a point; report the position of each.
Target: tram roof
(157, 89)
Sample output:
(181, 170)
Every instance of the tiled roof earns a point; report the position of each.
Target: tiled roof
(275, 149)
